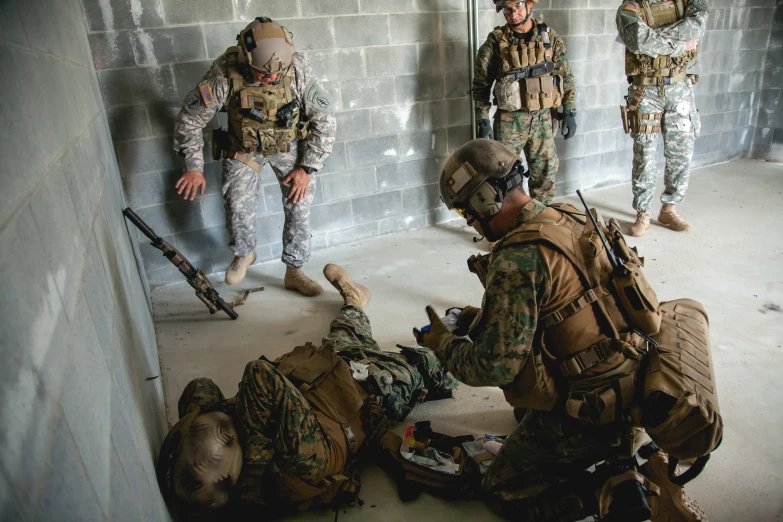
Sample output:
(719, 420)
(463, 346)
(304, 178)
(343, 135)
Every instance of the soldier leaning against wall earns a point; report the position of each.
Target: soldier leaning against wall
(278, 114)
(527, 63)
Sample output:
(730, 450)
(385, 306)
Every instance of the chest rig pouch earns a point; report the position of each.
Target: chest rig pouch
(584, 347)
(534, 91)
(325, 381)
(657, 15)
(265, 118)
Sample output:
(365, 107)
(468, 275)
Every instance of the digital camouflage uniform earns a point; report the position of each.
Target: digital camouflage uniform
(277, 425)
(531, 132)
(547, 448)
(240, 182)
(680, 125)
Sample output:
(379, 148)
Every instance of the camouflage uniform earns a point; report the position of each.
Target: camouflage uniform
(681, 125)
(279, 429)
(240, 182)
(531, 132)
(528, 479)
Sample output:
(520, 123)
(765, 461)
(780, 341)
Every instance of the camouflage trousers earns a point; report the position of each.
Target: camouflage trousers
(539, 474)
(282, 412)
(241, 192)
(533, 134)
(680, 126)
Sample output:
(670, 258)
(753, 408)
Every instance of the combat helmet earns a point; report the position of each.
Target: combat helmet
(477, 176)
(170, 449)
(500, 4)
(267, 46)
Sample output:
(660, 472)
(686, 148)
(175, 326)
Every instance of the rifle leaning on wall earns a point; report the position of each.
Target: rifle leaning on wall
(196, 278)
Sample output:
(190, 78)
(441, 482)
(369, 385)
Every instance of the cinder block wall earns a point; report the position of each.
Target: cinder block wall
(768, 143)
(79, 422)
(397, 70)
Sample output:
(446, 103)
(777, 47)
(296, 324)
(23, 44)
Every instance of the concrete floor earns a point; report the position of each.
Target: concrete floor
(732, 261)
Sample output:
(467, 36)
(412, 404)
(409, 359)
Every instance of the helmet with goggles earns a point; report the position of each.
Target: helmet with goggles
(478, 175)
(500, 4)
(267, 46)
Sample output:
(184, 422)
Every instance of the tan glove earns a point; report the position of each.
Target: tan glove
(429, 337)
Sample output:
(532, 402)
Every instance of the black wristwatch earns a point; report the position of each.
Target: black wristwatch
(309, 170)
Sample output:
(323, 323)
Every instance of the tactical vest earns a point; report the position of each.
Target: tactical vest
(583, 349)
(657, 15)
(530, 94)
(325, 381)
(267, 136)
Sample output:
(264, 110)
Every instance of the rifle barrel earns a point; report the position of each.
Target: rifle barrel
(140, 224)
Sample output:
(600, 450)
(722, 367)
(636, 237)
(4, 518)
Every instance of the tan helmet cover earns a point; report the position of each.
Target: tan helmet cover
(170, 449)
(463, 179)
(267, 46)
(500, 4)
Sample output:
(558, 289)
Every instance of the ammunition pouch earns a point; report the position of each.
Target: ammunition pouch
(530, 94)
(479, 265)
(680, 409)
(642, 122)
(221, 144)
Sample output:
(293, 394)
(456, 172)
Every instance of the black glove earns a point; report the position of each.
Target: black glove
(484, 129)
(569, 124)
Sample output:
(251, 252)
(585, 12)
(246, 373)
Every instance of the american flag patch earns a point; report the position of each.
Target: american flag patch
(206, 94)
(632, 8)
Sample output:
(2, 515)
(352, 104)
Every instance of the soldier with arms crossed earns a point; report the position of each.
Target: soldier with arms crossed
(278, 113)
(661, 39)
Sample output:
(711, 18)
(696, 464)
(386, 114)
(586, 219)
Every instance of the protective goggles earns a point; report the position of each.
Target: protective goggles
(511, 9)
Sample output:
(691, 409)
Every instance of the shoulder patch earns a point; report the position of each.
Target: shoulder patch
(631, 7)
(206, 94)
(317, 98)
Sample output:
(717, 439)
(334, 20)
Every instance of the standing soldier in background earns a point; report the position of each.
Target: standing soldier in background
(277, 113)
(526, 60)
(661, 37)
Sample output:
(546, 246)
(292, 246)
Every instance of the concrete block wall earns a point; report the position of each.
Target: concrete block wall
(79, 420)
(397, 71)
(768, 143)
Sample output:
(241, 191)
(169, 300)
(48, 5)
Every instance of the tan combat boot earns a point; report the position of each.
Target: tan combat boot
(669, 216)
(295, 279)
(353, 293)
(673, 505)
(641, 224)
(238, 268)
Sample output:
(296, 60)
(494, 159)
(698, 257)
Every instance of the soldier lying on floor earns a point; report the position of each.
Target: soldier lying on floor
(290, 436)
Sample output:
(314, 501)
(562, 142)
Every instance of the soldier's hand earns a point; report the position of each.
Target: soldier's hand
(299, 180)
(189, 183)
(691, 45)
(484, 129)
(569, 124)
(429, 338)
(466, 317)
